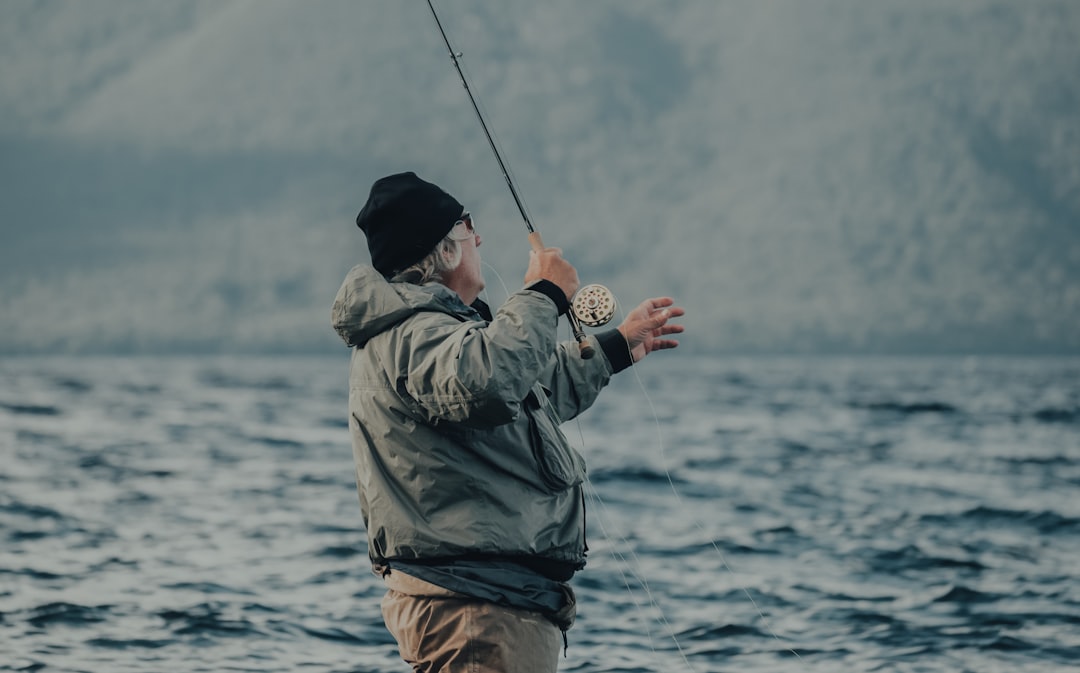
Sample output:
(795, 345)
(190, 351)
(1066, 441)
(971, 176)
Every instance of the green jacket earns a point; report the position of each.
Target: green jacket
(455, 422)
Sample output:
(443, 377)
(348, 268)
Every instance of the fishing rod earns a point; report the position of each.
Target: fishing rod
(593, 305)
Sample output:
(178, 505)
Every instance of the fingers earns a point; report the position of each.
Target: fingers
(660, 317)
(664, 344)
(647, 324)
(671, 329)
(651, 306)
(658, 303)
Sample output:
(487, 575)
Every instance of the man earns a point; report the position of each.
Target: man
(471, 495)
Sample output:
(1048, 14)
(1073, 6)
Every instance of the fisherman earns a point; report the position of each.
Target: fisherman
(471, 495)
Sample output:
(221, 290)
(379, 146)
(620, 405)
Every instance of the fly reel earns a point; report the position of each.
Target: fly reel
(594, 305)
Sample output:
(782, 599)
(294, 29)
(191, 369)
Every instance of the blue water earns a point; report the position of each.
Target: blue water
(822, 514)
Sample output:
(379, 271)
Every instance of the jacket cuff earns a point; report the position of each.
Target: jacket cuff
(553, 292)
(616, 349)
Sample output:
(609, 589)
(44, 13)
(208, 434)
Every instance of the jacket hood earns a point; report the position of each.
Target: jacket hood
(368, 304)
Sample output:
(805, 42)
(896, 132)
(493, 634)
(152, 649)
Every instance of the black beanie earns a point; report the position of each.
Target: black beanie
(403, 219)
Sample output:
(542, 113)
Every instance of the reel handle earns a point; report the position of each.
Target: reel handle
(584, 348)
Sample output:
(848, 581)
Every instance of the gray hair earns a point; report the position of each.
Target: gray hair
(442, 260)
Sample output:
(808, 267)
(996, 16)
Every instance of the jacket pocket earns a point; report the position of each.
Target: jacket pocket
(560, 466)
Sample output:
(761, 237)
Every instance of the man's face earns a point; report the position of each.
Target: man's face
(468, 279)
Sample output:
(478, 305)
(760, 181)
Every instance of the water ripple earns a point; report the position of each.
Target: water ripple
(882, 516)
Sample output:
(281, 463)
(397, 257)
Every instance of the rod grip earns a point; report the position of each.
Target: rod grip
(536, 242)
(585, 349)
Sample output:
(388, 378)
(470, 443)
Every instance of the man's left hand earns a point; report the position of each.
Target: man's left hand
(645, 326)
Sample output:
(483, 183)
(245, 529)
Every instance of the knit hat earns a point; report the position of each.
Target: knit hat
(403, 219)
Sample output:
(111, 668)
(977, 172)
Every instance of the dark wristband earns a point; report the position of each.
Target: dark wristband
(616, 349)
(553, 292)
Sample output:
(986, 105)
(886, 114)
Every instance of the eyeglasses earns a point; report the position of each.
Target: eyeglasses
(466, 219)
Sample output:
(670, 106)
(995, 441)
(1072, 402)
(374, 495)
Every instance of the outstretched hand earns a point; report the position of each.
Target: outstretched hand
(645, 326)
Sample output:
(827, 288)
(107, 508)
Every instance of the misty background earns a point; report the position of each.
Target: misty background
(833, 176)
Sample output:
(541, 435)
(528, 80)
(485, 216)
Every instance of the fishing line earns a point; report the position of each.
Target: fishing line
(506, 292)
(636, 567)
(621, 561)
(638, 575)
(575, 324)
(678, 499)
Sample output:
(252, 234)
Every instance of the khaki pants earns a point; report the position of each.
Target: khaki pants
(440, 631)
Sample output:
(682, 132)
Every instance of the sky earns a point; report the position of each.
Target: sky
(897, 176)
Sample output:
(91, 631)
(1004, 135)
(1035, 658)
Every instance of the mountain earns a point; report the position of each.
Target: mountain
(836, 176)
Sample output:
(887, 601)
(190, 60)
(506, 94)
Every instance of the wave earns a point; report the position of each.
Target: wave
(1051, 415)
(907, 408)
(334, 634)
(132, 643)
(218, 518)
(32, 573)
(207, 619)
(911, 557)
(71, 614)
(342, 551)
(717, 631)
(230, 380)
(31, 409)
(632, 474)
(207, 588)
(73, 385)
(1046, 521)
(966, 595)
(31, 511)
(277, 442)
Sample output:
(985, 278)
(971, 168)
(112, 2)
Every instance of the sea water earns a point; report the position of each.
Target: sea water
(752, 515)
